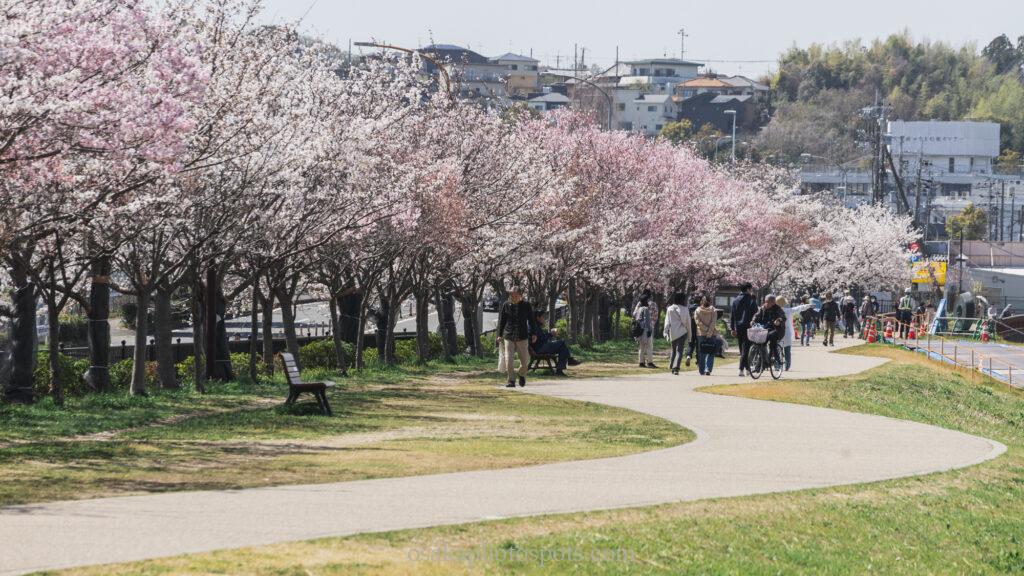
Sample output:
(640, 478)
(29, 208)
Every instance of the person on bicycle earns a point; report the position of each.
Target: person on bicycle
(774, 319)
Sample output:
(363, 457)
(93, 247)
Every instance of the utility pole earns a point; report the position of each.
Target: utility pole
(682, 43)
(1002, 206)
(575, 57)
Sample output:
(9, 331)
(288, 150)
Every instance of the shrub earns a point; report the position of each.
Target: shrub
(121, 374)
(71, 372)
(320, 354)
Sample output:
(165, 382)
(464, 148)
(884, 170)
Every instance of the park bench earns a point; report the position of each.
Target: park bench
(296, 386)
(536, 358)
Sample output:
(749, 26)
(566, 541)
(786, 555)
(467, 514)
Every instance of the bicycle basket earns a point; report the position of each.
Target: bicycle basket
(757, 334)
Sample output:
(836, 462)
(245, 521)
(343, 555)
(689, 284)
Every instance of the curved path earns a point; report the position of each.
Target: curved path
(743, 447)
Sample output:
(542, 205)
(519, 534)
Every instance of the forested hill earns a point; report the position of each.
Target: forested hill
(819, 91)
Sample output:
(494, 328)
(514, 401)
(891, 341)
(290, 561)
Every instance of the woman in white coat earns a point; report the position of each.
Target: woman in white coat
(787, 340)
(677, 329)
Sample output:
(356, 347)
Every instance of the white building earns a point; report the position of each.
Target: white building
(659, 75)
(944, 147)
(644, 113)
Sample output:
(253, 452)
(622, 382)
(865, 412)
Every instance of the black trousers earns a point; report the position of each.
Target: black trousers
(741, 337)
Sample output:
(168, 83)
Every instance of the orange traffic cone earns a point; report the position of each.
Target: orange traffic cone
(888, 330)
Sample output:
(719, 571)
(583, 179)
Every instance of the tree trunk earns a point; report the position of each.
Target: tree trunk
(471, 317)
(198, 347)
(604, 318)
(380, 320)
(391, 319)
(423, 327)
(254, 332)
(288, 320)
(339, 345)
(166, 371)
(224, 371)
(446, 321)
(573, 309)
(552, 307)
(360, 336)
(23, 335)
(350, 306)
(138, 384)
(98, 374)
(53, 350)
(268, 333)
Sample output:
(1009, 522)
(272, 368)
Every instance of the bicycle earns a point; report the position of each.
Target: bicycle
(759, 355)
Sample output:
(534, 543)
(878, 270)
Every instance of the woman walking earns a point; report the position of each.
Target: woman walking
(707, 336)
(677, 329)
(787, 339)
(807, 319)
(645, 340)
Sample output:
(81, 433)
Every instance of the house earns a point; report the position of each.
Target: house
(642, 112)
(724, 86)
(475, 75)
(710, 108)
(659, 75)
(548, 101)
(522, 73)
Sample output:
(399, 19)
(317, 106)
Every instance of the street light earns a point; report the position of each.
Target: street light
(700, 143)
(441, 70)
(733, 114)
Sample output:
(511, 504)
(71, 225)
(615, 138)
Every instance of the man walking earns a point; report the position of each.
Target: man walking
(830, 315)
(905, 313)
(516, 326)
(743, 309)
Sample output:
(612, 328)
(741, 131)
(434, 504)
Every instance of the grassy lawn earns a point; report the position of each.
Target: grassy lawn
(965, 521)
(395, 422)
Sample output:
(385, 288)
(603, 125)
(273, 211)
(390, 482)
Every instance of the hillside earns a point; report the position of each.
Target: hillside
(820, 90)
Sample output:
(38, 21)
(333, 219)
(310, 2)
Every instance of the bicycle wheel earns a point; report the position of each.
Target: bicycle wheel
(755, 361)
(777, 368)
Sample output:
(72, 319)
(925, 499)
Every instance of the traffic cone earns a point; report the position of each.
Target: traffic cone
(984, 334)
(888, 330)
(912, 334)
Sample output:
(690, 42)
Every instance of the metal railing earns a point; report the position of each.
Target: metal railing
(914, 336)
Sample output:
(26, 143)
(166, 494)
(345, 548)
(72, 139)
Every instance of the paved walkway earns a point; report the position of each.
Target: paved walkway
(743, 447)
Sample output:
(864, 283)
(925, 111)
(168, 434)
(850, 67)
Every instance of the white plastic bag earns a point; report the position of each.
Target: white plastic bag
(502, 360)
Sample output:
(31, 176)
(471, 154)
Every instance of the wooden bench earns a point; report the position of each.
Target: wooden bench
(296, 386)
(536, 358)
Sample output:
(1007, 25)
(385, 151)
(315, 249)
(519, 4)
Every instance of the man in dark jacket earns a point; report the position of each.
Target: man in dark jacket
(774, 319)
(516, 326)
(546, 343)
(694, 303)
(743, 309)
(830, 315)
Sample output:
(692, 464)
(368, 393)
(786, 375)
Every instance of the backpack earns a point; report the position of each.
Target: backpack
(807, 315)
(636, 329)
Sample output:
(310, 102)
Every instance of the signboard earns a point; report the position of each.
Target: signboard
(930, 273)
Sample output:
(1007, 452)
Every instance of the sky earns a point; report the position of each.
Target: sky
(731, 37)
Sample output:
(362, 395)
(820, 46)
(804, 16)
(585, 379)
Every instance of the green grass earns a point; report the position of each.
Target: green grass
(968, 521)
(388, 422)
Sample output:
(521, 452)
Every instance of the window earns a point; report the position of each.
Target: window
(952, 165)
(625, 125)
(657, 127)
(972, 163)
(514, 66)
(622, 107)
(652, 108)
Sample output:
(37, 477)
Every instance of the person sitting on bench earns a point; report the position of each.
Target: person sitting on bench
(547, 344)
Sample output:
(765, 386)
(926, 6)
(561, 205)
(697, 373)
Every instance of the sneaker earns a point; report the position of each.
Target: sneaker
(573, 362)
(701, 372)
(510, 384)
(651, 365)
(522, 381)
(642, 365)
(675, 371)
(687, 361)
(741, 373)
